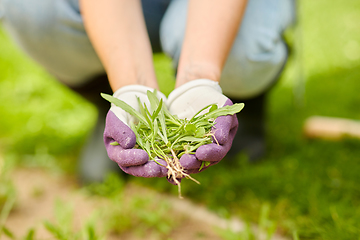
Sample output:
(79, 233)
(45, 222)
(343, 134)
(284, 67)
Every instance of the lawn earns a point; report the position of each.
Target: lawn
(310, 187)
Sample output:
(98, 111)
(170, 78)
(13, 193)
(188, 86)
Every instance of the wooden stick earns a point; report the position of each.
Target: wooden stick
(331, 128)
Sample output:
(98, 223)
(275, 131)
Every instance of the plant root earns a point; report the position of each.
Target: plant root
(176, 171)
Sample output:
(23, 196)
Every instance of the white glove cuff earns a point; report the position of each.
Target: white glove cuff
(137, 88)
(188, 99)
(129, 95)
(192, 84)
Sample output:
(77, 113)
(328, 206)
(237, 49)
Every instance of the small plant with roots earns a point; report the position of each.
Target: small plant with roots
(165, 136)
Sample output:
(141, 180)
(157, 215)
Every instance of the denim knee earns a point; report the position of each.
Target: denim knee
(253, 63)
(258, 52)
(52, 33)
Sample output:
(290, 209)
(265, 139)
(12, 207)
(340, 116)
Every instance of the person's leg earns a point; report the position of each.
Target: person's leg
(52, 33)
(257, 56)
(254, 66)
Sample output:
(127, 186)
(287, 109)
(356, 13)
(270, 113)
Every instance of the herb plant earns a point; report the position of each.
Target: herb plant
(165, 136)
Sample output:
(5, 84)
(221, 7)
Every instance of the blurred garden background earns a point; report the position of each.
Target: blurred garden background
(308, 189)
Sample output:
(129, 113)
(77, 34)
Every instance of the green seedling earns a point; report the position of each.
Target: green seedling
(165, 136)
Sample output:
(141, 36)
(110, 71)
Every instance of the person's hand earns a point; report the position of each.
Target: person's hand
(185, 101)
(132, 161)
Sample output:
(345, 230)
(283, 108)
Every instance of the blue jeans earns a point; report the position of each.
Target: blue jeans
(52, 33)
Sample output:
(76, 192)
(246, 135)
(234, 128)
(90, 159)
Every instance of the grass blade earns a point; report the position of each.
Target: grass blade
(137, 135)
(157, 111)
(227, 110)
(204, 108)
(126, 107)
(56, 232)
(154, 101)
(155, 130)
(143, 112)
(7, 232)
(191, 139)
(10, 201)
(30, 235)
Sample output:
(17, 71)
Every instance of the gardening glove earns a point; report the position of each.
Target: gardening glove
(132, 161)
(185, 101)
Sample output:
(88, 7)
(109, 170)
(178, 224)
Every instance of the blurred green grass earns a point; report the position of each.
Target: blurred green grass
(312, 187)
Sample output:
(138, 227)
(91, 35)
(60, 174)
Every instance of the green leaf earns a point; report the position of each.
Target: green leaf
(141, 107)
(55, 231)
(204, 163)
(200, 132)
(7, 232)
(162, 120)
(204, 108)
(191, 139)
(146, 147)
(159, 152)
(203, 123)
(190, 128)
(145, 112)
(159, 112)
(192, 148)
(126, 107)
(162, 137)
(30, 235)
(155, 130)
(90, 233)
(227, 110)
(137, 135)
(213, 108)
(156, 113)
(154, 101)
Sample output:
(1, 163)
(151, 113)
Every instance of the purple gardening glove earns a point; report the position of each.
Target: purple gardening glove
(132, 161)
(185, 101)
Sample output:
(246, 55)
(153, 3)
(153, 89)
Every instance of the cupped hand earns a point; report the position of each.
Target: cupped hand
(185, 102)
(120, 140)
